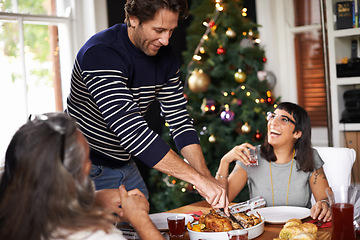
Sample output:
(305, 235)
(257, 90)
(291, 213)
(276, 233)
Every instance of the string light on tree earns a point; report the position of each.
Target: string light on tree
(208, 105)
(244, 12)
(258, 136)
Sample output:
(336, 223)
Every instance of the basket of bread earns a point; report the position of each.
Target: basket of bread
(295, 229)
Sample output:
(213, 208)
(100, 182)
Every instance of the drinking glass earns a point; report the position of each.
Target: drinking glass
(342, 199)
(239, 234)
(253, 157)
(176, 225)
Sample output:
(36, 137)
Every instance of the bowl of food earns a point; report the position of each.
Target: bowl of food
(213, 226)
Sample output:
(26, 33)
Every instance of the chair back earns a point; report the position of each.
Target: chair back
(338, 163)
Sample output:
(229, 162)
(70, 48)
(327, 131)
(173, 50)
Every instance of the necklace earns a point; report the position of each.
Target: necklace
(272, 188)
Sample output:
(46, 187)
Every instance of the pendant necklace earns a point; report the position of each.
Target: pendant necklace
(272, 188)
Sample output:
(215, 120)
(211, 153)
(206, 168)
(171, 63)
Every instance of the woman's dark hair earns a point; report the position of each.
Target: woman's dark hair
(145, 10)
(44, 187)
(304, 152)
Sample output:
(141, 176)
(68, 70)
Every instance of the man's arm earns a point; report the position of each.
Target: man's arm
(213, 192)
(193, 154)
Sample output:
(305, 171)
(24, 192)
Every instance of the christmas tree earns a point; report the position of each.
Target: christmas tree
(227, 89)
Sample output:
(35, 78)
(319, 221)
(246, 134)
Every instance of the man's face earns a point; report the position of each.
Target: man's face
(151, 35)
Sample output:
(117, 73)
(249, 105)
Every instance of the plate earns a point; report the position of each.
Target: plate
(280, 214)
(160, 219)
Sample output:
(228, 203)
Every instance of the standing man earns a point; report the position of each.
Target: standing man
(117, 74)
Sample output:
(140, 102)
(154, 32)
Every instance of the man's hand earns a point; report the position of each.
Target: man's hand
(213, 192)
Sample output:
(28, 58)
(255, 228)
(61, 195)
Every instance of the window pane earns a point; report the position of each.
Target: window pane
(307, 12)
(42, 64)
(12, 90)
(30, 75)
(38, 7)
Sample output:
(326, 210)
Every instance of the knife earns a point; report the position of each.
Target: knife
(233, 218)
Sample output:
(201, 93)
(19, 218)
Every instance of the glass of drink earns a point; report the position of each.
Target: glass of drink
(342, 199)
(239, 234)
(253, 157)
(176, 225)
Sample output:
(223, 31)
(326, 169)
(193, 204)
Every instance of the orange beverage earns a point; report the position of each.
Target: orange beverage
(342, 222)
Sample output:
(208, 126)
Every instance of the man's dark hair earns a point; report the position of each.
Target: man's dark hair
(145, 10)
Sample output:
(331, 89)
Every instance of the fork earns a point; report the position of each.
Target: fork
(319, 223)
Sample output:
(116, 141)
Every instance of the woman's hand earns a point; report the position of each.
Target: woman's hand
(321, 211)
(132, 205)
(239, 152)
(110, 199)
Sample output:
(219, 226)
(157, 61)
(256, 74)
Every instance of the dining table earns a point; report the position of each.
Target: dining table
(271, 231)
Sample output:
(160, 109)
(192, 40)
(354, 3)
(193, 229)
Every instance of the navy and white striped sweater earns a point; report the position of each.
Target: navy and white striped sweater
(112, 85)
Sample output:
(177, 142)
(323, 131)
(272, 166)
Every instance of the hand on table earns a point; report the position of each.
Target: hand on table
(321, 211)
(110, 199)
(135, 210)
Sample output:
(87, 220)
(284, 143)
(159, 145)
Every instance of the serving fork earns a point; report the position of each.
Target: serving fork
(318, 223)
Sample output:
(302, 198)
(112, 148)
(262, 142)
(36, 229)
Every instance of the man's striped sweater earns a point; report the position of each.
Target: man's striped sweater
(112, 85)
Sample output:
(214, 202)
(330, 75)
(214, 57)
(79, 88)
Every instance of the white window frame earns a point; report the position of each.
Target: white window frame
(77, 21)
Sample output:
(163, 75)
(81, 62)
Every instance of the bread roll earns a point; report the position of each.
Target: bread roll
(292, 222)
(304, 236)
(294, 231)
(289, 232)
(308, 228)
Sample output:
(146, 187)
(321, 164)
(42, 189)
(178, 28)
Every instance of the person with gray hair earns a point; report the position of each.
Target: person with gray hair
(118, 73)
(46, 192)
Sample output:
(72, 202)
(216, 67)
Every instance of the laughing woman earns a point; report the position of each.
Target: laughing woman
(288, 169)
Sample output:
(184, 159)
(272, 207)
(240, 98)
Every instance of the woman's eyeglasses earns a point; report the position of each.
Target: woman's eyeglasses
(55, 127)
(284, 120)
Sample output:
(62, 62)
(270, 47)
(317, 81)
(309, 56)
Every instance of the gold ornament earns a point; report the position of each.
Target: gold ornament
(230, 33)
(212, 138)
(246, 128)
(240, 76)
(198, 81)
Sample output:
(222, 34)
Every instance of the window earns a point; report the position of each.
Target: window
(34, 45)
(310, 61)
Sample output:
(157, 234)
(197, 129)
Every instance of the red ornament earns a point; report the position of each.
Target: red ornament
(211, 23)
(220, 51)
(270, 100)
(258, 136)
(264, 59)
(186, 96)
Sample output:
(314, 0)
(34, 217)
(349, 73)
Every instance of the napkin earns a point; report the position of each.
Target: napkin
(196, 214)
(324, 225)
